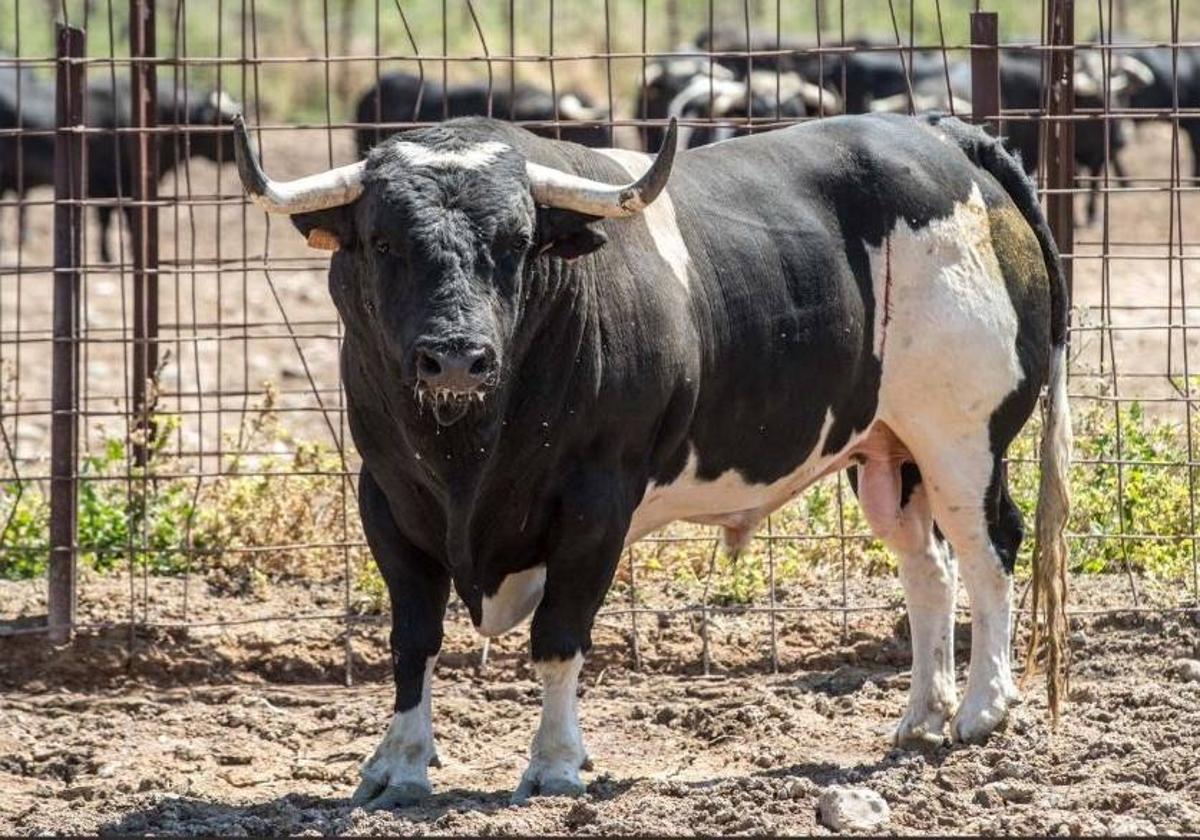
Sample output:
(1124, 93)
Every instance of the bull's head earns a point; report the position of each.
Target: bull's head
(437, 230)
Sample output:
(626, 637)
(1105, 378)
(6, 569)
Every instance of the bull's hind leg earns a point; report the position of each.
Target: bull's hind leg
(896, 505)
(969, 499)
(398, 772)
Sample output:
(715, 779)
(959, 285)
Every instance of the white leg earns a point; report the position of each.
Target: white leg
(398, 772)
(557, 753)
(957, 482)
(990, 686)
(928, 574)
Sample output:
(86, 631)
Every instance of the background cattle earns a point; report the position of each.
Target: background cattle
(1097, 142)
(26, 161)
(1173, 81)
(725, 90)
(110, 155)
(405, 98)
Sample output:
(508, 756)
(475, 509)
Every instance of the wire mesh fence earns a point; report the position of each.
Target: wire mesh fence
(171, 419)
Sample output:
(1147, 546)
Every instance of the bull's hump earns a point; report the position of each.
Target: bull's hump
(659, 216)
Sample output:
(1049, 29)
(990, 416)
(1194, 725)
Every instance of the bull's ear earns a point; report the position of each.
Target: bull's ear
(567, 234)
(327, 230)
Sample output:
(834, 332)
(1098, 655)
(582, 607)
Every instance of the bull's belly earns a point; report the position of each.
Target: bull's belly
(728, 500)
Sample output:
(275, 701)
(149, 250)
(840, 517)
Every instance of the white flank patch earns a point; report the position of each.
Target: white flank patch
(729, 500)
(945, 327)
(659, 216)
(518, 596)
(471, 157)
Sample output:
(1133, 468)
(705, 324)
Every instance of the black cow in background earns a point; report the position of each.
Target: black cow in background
(1021, 90)
(110, 155)
(726, 89)
(26, 161)
(405, 98)
(1166, 74)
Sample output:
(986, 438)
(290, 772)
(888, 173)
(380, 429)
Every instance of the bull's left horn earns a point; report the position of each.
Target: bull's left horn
(554, 188)
(304, 195)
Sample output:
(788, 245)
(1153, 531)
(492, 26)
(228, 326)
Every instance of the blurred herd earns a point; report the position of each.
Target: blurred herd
(721, 85)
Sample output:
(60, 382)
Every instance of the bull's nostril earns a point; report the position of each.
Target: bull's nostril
(480, 366)
(427, 365)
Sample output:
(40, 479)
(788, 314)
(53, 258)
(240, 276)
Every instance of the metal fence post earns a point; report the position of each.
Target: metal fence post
(68, 257)
(1059, 131)
(144, 233)
(985, 70)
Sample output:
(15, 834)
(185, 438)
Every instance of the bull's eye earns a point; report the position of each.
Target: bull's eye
(381, 246)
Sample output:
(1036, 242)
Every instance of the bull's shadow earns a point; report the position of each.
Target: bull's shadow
(294, 813)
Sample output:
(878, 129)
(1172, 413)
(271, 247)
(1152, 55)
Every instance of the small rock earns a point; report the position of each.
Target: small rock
(1010, 792)
(801, 788)
(1008, 769)
(852, 809)
(1127, 826)
(581, 813)
(505, 692)
(1188, 670)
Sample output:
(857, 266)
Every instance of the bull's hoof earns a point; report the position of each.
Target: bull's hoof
(374, 796)
(920, 730)
(975, 723)
(558, 779)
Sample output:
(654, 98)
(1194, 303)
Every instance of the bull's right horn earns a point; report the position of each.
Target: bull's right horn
(554, 188)
(332, 188)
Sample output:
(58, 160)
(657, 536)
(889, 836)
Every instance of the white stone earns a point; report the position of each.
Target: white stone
(1127, 826)
(1188, 670)
(852, 809)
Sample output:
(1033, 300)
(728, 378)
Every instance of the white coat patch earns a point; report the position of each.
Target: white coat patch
(728, 500)
(659, 216)
(945, 326)
(471, 157)
(518, 596)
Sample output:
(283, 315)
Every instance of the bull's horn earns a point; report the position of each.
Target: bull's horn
(554, 188)
(304, 195)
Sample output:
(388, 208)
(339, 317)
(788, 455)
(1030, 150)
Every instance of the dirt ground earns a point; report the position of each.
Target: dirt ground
(248, 728)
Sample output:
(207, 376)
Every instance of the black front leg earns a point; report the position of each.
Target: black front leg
(579, 570)
(418, 587)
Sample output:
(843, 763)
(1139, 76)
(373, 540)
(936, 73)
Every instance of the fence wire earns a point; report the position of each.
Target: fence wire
(212, 452)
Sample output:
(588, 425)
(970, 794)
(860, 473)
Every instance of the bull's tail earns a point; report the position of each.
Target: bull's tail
(1049, 629)
(1050, 543)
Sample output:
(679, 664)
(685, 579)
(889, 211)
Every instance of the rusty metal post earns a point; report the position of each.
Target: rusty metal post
(64, 396)
(143, 157)
(985, 70)
(1059, 131)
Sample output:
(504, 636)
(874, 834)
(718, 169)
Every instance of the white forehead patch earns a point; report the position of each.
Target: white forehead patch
(471, 157)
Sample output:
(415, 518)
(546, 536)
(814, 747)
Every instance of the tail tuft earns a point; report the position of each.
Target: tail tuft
(1049, 629)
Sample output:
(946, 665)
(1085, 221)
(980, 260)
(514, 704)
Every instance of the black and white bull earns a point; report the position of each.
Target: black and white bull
(405, 98)
(552, 351)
